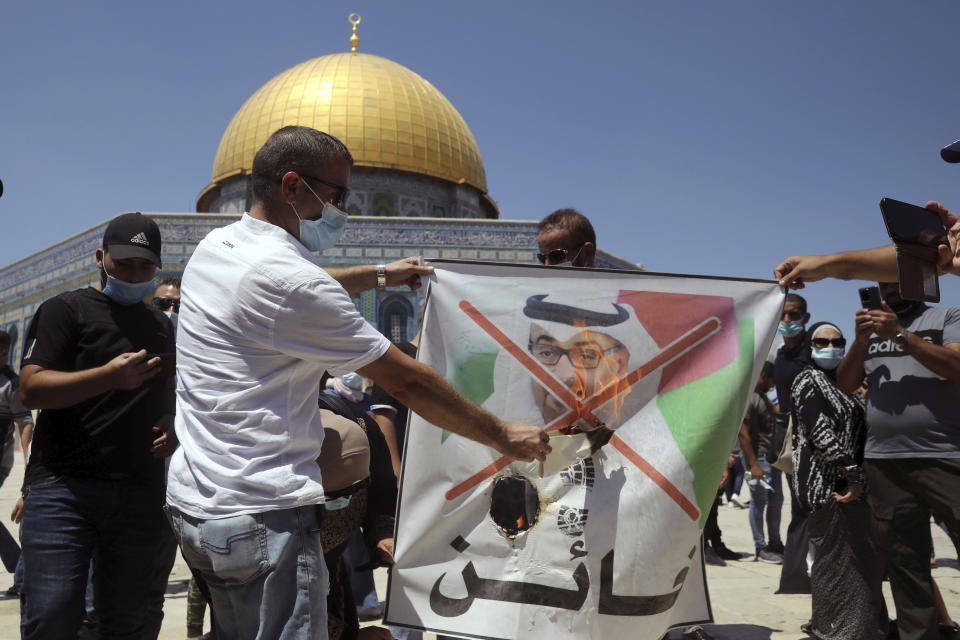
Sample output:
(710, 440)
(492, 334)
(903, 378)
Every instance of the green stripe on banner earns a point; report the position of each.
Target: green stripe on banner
(704, 417)
(473, 377)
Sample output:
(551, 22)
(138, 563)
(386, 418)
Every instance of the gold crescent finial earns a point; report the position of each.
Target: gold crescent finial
(354, 19)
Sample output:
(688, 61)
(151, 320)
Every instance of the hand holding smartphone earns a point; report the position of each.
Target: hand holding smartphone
(916, 232)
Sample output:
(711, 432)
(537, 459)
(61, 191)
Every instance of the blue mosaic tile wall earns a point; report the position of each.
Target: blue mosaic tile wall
(69, 264)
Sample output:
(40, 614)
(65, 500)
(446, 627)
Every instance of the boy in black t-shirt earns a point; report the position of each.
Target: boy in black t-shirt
(93, 488)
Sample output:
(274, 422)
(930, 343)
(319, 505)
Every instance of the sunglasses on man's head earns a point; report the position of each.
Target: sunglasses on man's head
(167, 303)
(823, 343)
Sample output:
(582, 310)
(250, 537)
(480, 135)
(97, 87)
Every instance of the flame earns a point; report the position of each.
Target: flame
(520, 522)
(609, 372)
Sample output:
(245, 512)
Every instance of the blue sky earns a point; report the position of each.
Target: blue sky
(711, 138)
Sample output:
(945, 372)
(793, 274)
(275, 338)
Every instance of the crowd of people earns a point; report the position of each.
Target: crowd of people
(869, 442)
(865, 438)
(250, 417)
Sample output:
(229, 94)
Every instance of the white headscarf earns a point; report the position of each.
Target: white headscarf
(825, 325)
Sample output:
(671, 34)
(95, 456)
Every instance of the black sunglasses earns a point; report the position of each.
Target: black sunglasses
(342, 192)
(558, 256)
(166, 303)
(823, 343)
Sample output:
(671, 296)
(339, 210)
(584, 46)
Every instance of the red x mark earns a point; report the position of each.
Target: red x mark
(584, 409)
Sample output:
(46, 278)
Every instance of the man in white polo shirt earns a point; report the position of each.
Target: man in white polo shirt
(260, 322)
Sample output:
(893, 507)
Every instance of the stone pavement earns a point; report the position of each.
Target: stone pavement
(741, 593)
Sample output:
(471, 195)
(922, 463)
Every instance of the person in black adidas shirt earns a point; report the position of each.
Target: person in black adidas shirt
(93, 488)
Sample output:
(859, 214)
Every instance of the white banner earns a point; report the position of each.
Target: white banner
(642, 380)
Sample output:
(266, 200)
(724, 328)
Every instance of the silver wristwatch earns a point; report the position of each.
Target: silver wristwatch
(901, 338)
(381, 277)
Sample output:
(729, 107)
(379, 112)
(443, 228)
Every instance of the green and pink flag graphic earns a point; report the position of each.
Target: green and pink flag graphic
(642, 380)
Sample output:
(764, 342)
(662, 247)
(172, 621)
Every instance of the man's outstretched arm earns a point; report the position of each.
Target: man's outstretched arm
(426, 393)
(362, 277)
(878, 265)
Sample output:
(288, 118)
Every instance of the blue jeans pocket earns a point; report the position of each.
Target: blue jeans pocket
(173, 517)
(236, 547)
(49, 481)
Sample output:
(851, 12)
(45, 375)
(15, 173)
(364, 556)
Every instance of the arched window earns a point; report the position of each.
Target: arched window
(395, 313)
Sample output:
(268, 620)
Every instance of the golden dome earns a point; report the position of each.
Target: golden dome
(387, 115)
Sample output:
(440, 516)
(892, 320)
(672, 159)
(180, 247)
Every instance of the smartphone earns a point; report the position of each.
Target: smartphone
(168, 363)
(916, 232)
(870, 298)
(912, 224)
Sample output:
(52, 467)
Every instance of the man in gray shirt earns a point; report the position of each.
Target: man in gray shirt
(910, 354)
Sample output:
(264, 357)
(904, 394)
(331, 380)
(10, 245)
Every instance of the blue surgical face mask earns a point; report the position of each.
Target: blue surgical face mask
(317, 235)
(790, 329)
(337, 503)
(827, 358)
(353, 381)
(126, 293)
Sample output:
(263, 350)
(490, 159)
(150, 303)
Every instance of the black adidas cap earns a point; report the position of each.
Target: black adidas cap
(133, 235)
(951, 152)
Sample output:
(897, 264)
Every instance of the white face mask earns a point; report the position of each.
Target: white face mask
(318, 235)
(174, 318)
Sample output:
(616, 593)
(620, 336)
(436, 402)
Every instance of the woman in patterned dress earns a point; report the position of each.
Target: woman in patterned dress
(829, 432)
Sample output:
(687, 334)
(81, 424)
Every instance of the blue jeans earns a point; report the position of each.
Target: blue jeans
(164, 558)
(265, 571)
(69, 521)
(364, 589)
(772, 501)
